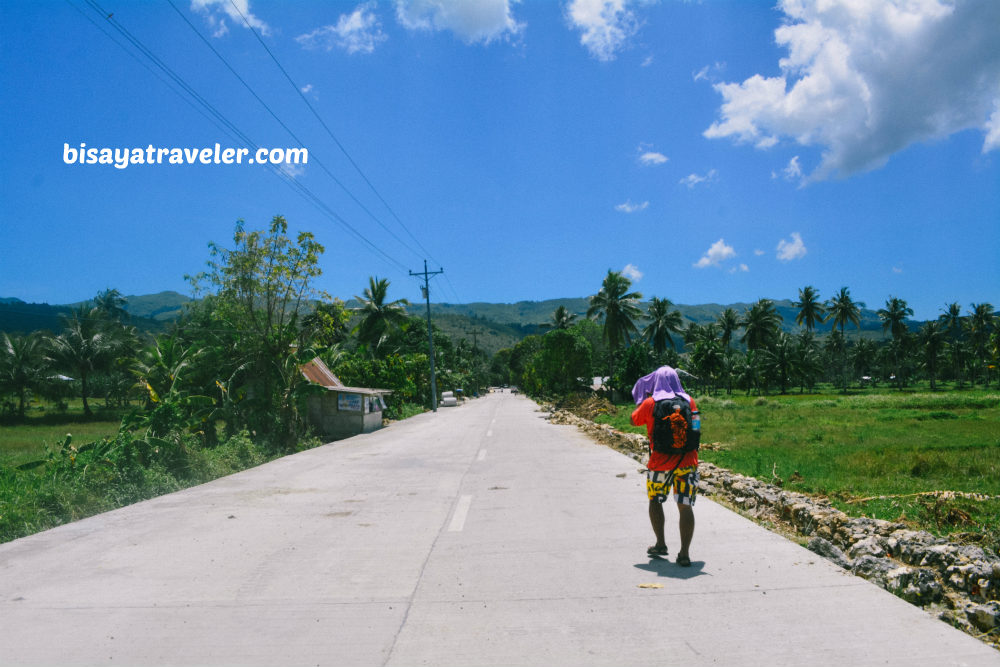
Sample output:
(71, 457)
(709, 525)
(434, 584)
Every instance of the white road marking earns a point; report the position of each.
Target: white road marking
(462, 511)
(482, 455)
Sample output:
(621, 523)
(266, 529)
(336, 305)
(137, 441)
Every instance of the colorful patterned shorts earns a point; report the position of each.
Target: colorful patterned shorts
(685, 485)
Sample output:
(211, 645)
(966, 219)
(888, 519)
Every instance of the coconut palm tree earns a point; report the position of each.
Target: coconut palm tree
(811, 310)
(979, 324)
(561, 319)
(662, 322)
(841, 309)
(21, 366)
(111, 304)
(893, 318)
(378, 317)
(729, 322)
(807, 359)
(83, 348)
(932, 339)
(864, 356)
(761, 324)
(618, 309)
(780, 360)
(951, 320)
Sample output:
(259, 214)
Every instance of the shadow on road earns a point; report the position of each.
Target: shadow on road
(667, 568)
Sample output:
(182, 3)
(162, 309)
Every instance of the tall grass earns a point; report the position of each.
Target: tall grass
(851, 448)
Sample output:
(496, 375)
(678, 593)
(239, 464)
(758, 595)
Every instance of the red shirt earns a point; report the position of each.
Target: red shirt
(658, 460)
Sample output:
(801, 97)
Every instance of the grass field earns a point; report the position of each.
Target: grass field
(869, 454)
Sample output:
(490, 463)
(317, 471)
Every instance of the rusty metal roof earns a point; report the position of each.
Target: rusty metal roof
(316, 372)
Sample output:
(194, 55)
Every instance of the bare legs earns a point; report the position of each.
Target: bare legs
(685, 523)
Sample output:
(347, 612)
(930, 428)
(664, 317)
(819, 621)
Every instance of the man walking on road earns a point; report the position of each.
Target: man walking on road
(666, 469)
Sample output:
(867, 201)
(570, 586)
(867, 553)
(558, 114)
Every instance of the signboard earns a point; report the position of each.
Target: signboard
(348, 402)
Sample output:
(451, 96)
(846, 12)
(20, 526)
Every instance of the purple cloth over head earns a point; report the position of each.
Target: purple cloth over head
(661, 383)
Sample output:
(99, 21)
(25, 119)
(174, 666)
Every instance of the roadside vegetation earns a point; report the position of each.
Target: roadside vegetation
(931, 460)
(903, 429)
(97, 415)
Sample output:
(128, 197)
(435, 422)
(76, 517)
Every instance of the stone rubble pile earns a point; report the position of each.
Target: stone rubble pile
(960, 583)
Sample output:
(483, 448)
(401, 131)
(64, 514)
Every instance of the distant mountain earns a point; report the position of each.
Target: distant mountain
(539, 312)
(493, 326)
(148, 313)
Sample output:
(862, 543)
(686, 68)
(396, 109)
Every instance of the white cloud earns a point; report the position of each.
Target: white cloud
(216, 12)
(471, 20)
(759, 252)
(864, 80)
(306, 89)
(692, 180)
(793, 170)
(647, 62)
(992, 141)
(742, 268)
(629, 207)
(292, 170)
(357, 32)
(632, 272)
(707, 73)
(716, 254)
(789, 250)
(651, 158)
(896, 269)
(605, 25)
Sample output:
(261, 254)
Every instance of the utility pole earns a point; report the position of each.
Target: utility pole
(426, 275)
(475, 333)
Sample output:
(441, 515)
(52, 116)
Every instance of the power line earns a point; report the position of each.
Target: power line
(301, 95)
(299, 187)
(321, 164)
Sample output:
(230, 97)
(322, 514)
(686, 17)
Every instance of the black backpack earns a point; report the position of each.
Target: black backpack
(664, 440)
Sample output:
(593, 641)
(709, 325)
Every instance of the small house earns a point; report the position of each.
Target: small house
(341, 412)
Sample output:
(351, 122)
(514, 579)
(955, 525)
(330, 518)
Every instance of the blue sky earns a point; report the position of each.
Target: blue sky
(713, 151)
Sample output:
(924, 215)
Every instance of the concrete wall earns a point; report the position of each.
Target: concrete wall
(327, 417)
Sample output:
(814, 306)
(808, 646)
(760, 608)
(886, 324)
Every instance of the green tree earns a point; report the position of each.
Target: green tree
(563, 362)
(378, 316)
(111, 305)
(662, 322)
(781, 362)
(83, 348)
(729, 322)
(951, 321)
(618, 309)
(842, 310)
(807, 360)
(761, 324)
(932, 340)
(258, 289)
(864, 356)
(561, 319)
(22, 362)
(811, 310)
(893, 318)
(980, 324)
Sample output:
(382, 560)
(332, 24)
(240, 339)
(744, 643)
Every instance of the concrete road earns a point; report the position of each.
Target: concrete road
(479, 535)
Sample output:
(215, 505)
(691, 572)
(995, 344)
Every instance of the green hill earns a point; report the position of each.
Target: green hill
(492, 326)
